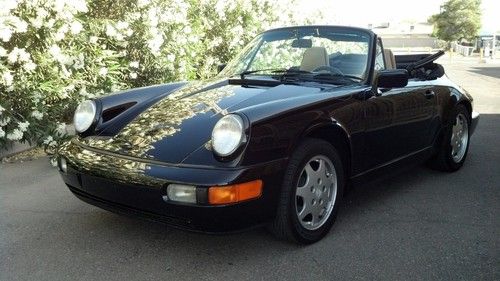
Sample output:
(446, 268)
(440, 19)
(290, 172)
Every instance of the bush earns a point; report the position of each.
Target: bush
(55, 53)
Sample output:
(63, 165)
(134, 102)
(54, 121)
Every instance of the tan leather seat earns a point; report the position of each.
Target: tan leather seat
(313, 58)
(390, 60)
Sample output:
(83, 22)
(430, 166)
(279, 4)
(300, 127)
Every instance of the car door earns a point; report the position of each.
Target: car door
(398, 122)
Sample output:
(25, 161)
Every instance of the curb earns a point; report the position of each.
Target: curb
(18, 147)
(15, 148)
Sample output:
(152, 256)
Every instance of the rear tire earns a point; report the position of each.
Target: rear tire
(454, 146)
(311, 192)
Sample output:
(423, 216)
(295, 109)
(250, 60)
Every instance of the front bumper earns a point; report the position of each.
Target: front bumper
(474, 121)
(137, 186)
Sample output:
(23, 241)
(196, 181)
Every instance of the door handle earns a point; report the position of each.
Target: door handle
(429, 94)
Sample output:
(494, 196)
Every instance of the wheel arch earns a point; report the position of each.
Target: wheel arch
(335, 134)
(467, 105)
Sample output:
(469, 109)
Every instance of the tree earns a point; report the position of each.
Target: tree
(458, 20)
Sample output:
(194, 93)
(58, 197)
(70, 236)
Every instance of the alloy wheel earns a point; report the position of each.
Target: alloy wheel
(316, 192)
(459, 138)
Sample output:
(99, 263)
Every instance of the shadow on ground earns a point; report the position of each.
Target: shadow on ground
(488, 71)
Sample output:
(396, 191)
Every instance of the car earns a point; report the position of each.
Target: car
(275, 139)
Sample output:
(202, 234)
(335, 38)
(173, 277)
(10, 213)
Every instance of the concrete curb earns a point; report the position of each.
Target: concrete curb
(15, 148)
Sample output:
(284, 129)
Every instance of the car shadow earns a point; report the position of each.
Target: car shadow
(488, 71)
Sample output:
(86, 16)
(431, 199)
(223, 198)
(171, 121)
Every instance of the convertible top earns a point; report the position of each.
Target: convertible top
(413, 61)
(421, 66)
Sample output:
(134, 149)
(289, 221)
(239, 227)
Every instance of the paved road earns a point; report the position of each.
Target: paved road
(420, 225)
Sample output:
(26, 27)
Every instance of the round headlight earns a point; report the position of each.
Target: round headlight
(228, 134)
(84, 116)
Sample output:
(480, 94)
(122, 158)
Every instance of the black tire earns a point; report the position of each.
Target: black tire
(443, 160)
(286, 224)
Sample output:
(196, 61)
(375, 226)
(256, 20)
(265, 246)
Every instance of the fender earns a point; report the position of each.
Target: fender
(334, 132)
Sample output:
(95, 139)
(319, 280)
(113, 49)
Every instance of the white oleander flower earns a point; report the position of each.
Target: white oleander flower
(115, 88)
(9, 4)
(79, 64)
(4, 121)
(55, 51)
(50, 23)
(23, 56)
(12, 57)
(83, 92)
(134, 64)
(29, 66)
(76, 27)
(37, 22)
(122, 25)
(7, 79)
(111, 31)
(23, 126)
(21, 26)
(2, 133)
(15, 135)
(143, 3)
(59, 35)
(103, 71)
(119, 37)
(48, 140)
(93, 39)
(3, 52)
(5, 33)
(133, 75)
(61, 128)
(155, 43)
(37, 96)
(37, 115)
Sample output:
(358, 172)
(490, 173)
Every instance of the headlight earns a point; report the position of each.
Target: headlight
(84, 116)
(228, 134)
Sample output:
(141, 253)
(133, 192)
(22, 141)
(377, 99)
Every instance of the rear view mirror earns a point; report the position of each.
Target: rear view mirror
(302, 43)
(393, 78)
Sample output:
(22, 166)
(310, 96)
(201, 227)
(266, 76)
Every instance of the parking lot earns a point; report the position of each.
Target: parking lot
(419, 225)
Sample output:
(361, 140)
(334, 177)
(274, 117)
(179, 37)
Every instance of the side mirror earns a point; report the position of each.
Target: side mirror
(220, 67)
(392, 78)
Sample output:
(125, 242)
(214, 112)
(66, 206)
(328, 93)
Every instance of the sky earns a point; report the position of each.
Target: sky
(363, 12)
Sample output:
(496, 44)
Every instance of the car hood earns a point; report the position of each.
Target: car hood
(182, 122)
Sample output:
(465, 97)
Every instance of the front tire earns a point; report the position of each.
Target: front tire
(312, 188)
(455, 145)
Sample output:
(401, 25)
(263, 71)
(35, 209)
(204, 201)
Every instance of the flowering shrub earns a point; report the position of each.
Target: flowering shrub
(55, 53)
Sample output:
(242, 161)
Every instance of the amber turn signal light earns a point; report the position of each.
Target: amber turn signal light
(218, 195)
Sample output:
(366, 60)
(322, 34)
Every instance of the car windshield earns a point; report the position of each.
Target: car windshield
(322, 54)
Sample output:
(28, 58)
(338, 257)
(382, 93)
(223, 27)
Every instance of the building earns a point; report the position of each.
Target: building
(406, 36)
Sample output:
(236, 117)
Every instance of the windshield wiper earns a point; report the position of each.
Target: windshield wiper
(274, 71)
(334, 75)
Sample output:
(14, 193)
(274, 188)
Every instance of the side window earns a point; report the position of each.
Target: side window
(379, 59)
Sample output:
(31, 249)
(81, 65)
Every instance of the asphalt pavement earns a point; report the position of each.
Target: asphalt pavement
(419, 225)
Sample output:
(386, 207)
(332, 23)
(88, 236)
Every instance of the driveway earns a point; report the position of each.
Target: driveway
(418, 225)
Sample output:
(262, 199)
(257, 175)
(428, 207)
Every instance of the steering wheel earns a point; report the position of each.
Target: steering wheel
(328, 68)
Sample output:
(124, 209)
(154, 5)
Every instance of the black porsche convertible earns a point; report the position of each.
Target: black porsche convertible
(274, 139)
